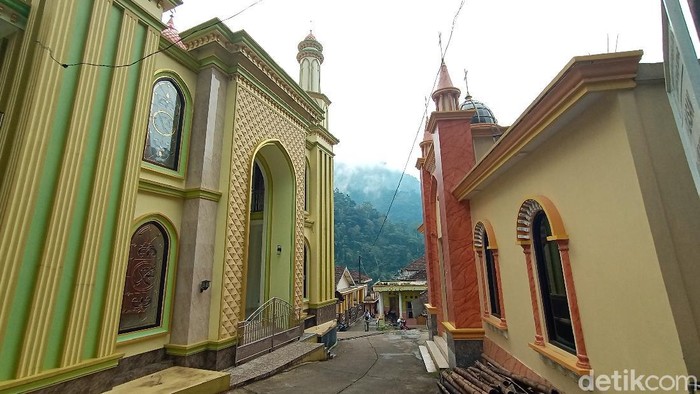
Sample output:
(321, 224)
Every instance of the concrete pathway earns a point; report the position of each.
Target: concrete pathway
(364, 362)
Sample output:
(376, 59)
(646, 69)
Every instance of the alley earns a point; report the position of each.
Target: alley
(374, 362)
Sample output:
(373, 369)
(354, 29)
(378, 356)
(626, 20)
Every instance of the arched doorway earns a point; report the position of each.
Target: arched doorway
(271, 231)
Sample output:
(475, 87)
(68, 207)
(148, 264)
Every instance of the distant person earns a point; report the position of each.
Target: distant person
(367, 318)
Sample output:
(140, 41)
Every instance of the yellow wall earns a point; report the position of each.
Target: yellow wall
(586, 170)
(152, 204)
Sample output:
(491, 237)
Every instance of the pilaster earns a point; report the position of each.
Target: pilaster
(198, 233)
(454, 157)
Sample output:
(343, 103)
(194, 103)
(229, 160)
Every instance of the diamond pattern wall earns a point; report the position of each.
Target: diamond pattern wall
(257, 119)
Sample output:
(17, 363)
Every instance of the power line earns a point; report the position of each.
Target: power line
(420, 125)
(67, 65)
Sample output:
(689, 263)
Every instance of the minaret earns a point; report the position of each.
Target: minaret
(310, 58)
(446, 96)
(319, 180)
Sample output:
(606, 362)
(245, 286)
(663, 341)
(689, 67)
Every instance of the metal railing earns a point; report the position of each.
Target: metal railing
(272, 325)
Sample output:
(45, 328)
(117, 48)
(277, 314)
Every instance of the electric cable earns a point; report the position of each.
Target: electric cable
(67, 65)
(425, 112)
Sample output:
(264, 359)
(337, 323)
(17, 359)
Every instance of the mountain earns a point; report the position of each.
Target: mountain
(376, 185)
(357, 227)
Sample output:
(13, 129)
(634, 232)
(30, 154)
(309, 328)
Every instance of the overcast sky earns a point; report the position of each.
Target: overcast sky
(381, 56)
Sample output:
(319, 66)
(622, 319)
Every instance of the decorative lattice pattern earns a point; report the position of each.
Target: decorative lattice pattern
(525, 215)
(479, 231)
(257, 119)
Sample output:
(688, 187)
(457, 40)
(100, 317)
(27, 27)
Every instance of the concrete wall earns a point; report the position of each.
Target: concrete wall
(587, 171)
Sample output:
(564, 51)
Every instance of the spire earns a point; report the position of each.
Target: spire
(445, 81)
(466, 83)
(171, 34)
(310, 58)
(446, 96)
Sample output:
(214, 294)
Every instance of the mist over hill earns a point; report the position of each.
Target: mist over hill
(376, 184)
(362, 196)
(357, 233)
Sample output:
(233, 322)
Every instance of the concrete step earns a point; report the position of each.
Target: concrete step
(437, 356)
(274, 362)
(442, 345)
(178, 380)
(141, 371)
(308, 337)
(427, 360)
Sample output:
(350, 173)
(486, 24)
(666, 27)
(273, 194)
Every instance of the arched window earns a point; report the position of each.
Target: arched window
(490, 267)
(307, 196)
(306, 271)
(258, 192)
(487, 252)
(540, 231)
(555, 305)
(162, 146)
(142, 299)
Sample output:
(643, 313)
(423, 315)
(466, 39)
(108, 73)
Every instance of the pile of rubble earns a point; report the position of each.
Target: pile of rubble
(489, 377)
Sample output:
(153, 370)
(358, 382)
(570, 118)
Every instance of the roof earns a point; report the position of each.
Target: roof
(401, 285)
(362, 278)
(339, 273)
(582, 81)
(172, 35)
(414, 271)
(416, 265)
(445, 80)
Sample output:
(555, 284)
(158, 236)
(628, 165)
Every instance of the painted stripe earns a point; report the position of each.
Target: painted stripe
(70, 137)
(131, 45)
(127, 197)
(17, 198)
(76, 289)
(44, 143)
(331, 228)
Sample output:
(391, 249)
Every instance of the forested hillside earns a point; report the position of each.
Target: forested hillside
(356, 229)
(376, 185)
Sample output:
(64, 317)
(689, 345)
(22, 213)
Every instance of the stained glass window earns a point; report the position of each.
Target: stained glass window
(144, 286)
(162, 145)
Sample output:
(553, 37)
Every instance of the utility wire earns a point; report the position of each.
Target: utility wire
(420, 125)
(67, 65)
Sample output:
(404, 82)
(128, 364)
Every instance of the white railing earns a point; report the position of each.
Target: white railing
(272, 325)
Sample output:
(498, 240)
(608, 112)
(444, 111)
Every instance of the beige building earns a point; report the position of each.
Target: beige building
(568, 245)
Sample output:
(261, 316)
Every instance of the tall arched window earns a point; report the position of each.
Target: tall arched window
(492, 279)
(162, 146)
(555, 305)
(307, 192)
(306, 271)
(258, 191)
(142, 299)
(540, 231)
(487, 251)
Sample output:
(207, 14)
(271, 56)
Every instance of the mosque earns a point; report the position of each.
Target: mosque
(565, 244)
(157, 191)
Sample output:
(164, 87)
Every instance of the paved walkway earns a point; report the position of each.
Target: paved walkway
(364, 362)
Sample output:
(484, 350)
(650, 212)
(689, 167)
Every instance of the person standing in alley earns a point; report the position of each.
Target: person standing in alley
(367, 318)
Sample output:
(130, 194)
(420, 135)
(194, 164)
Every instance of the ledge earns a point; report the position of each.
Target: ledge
(433, 310)
(495, 322)
(560, 357)
(60, 375)
(464, 333)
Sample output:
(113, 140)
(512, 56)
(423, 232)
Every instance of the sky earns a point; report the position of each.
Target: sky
(381, 56)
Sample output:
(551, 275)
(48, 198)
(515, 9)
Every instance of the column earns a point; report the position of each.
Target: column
(191, 306)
